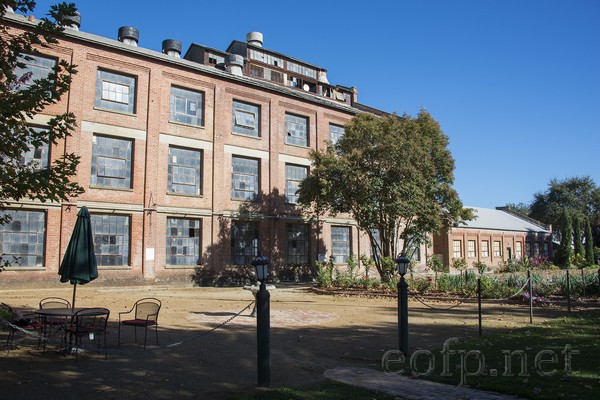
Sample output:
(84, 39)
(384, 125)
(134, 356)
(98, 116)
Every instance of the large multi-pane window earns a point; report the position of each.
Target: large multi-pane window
(245, 118)
(186, 106)
(296, 128)
(340, 243)
(294, 174)
(36, 157)
(471, 251)
(115, 92)
(184, 175)
(457, 249)
(244, 178)
(111, 162)
(497, 249)
(485, 248)
(36, 66)
(111, 239)
(297, 244)
(244, 242)
(22, 239)
(183, 241)
(335, 133)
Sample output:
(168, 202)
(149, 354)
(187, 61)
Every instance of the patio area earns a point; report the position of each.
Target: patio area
(207, 350)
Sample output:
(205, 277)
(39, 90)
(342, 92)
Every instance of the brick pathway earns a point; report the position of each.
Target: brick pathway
(407, 388)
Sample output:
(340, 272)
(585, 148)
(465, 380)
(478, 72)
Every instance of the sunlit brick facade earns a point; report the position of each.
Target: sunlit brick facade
(189, 166)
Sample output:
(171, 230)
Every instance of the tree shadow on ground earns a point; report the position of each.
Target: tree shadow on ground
(270, 210)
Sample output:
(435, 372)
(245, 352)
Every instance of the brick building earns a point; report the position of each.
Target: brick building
(493, 237)
(190, 164)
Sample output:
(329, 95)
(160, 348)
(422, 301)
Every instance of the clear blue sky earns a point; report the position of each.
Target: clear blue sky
(515, 84)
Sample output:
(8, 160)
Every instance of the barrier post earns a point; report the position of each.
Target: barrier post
(479, 303)
(530, 296)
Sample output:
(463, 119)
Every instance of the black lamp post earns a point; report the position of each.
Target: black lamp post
(263, 323)
(402, 262)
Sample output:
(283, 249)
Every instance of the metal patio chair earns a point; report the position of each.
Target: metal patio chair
(145, 315)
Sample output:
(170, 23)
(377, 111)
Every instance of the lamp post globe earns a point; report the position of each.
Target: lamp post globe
(260, 264)
(402, 262)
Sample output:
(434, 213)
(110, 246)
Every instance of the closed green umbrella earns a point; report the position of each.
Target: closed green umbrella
(79, 263)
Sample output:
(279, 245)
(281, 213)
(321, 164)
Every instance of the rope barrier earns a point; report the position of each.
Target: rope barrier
(79, 347)
(438, 308)
(519, 291)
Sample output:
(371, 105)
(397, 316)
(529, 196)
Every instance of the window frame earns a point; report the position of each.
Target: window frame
(291, 134)
(181, 242)
(127, 179)
(111, 229)
(31, 67)
(303, 243)
(236, 176)
(341, 257)
(471, 249)
(171, 185)
(247, 108)
(29, 156)
(291, 183)
(190, 96)
(456, 248)
(485, 250)
(335, 137)
(7, 234)
(497, 248)
(122, 80)
(241, 237)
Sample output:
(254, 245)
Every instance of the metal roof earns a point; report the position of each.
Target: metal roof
(494, 219)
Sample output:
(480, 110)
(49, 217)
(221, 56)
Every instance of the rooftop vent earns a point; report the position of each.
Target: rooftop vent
(129, 35)
(73, 21)
(235, 64)
(255, 38)
(172, 47)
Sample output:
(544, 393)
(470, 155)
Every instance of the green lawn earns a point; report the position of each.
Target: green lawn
(323, 391)
(554, 359)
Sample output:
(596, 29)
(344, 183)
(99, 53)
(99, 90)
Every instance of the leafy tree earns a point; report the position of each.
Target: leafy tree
(589, 243)
(22, 97)
(394, 176)
(521, 208)
(579, 195)
(565, 252)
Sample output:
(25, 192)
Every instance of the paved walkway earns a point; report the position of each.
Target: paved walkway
(407, 388)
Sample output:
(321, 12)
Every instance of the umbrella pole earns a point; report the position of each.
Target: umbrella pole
(74, 291)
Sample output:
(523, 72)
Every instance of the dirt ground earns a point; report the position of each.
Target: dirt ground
(310, 333)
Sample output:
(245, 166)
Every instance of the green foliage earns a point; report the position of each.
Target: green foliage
(394, 176)
(19, 103)
(325, 273)
(521, 208)
(367, 263)
(435, 263)
(564, 252)
(577, 238)
(459, 263)
(480, 266)
(589, 243)
(578, 195)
